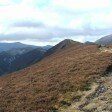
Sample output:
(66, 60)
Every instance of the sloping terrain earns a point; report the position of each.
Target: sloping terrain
(16, 56)
(97, 99)
(107, 40)
(54, 83)
(99, 96)
(9, 52)
(27, 59)
(17, 59)
(62, 45)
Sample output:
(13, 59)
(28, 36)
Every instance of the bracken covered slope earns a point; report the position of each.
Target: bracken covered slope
(62, 45)
(54, 82)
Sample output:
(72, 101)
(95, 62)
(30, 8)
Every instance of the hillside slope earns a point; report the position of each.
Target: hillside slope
(27, 59)
(62, 45)
(55, 82)
(16, 56)
(107, 40)
(99, 96)
(20, 58)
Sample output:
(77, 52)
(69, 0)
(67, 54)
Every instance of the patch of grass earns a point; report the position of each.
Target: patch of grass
(86, 87)
(53, 109)
(65, 103)
(76, 98)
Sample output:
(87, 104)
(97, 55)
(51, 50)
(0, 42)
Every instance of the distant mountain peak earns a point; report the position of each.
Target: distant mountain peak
(17, 43)
(106, 40)
(67, 41)
(8, 46)
(63, 44)
(89, 43)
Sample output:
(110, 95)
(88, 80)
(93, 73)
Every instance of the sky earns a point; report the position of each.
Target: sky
(47, 22)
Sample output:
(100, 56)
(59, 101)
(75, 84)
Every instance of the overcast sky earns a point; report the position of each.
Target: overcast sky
(43, 22)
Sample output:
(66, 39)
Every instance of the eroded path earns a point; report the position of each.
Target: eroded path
(106, 49)
(98, 99)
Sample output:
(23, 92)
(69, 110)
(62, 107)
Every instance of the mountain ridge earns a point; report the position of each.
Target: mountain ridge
(16, 56)
(62, 45)
(8, 46)
(106, 40)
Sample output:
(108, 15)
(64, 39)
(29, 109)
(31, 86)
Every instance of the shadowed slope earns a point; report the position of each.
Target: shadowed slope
(17, 59)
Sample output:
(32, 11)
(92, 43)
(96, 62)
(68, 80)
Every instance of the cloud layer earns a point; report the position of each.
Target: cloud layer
(50, 21)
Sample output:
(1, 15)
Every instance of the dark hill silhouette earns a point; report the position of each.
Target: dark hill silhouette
(27, 59)
(16, 56)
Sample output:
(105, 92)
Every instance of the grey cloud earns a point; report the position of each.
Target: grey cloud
(28, 24)
(49, 34)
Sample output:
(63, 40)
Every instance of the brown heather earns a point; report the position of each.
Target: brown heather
(43, 87)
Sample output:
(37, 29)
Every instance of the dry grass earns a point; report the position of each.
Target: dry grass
(43, 87)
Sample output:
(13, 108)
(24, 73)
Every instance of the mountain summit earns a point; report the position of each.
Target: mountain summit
(67, 42)
(62, 45)
(105, 40)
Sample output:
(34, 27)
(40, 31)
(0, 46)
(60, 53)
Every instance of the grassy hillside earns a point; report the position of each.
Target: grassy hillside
(54, 82)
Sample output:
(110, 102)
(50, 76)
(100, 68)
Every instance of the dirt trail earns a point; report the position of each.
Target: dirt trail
(77, 106)
(98, 99)
(105, 49)
(102, 101)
